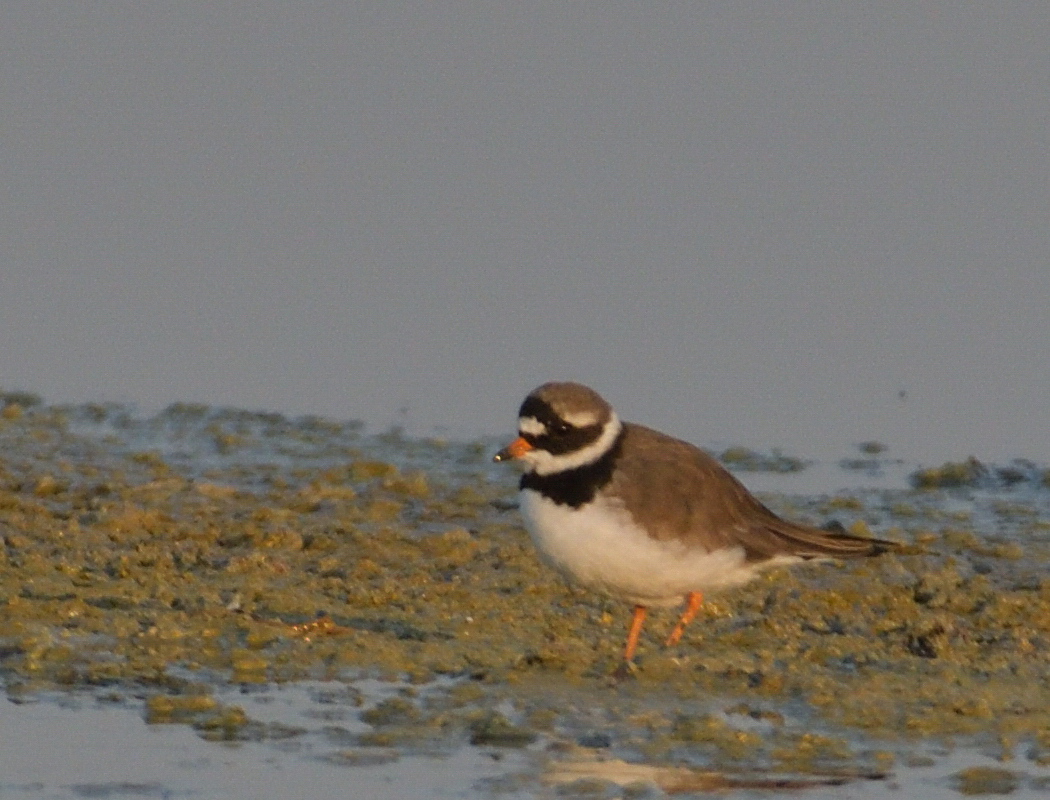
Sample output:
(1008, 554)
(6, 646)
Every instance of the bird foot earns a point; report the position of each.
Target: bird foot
(626, 669)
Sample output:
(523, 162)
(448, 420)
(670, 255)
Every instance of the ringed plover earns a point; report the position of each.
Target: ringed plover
(634, 513)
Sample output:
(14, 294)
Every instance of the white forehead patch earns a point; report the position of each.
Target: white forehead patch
(580, 419)
(543, 463)
(531, 426)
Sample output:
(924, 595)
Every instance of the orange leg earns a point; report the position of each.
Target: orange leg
(693, 600)
(634, 632)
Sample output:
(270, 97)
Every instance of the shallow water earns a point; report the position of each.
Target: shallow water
(98, 749)
(95, 750)
(171, 569)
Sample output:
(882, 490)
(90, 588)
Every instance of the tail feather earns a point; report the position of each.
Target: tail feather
(780, 537)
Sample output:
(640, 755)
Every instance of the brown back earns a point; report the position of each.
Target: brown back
(685, 494)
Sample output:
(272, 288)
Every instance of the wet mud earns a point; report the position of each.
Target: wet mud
(163, 559)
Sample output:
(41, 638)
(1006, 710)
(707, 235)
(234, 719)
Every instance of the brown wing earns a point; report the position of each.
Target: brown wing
(685, 494)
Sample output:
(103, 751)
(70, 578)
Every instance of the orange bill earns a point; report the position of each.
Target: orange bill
(515, 449)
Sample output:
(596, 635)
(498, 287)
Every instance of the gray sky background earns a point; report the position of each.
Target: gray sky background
(743, 222)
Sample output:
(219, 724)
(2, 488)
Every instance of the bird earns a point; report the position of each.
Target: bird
(637, 514)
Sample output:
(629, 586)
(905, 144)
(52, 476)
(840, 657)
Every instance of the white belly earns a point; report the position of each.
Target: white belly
(600, 546)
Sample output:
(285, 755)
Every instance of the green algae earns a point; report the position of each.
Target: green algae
(972, 474)
(872, 447)
(495, 730)
(166, 709)
(392, 711)
(747, 460)
(950, 475)
(985, 780)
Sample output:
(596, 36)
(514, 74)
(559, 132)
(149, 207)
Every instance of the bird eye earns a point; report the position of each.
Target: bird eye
(562, 427)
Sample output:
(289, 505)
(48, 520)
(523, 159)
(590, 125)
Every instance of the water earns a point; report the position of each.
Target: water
(80, 748)
(796, 227)
(76, 746)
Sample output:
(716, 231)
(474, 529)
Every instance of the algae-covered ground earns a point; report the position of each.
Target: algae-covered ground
(170, 557)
